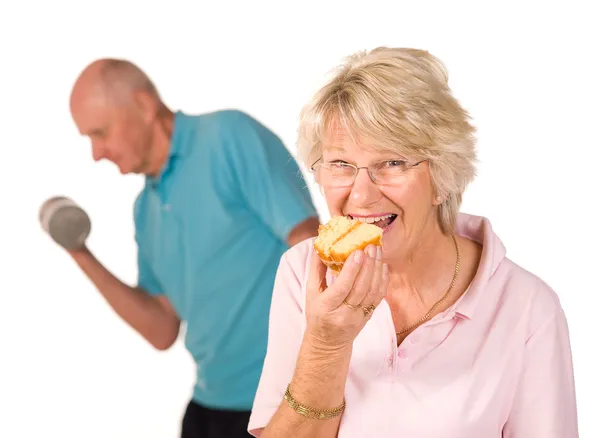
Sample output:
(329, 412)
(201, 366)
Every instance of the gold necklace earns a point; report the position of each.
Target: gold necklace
(438, 302)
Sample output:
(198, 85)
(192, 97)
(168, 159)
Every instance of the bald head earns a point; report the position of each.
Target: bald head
(112, 81)
(116, 105)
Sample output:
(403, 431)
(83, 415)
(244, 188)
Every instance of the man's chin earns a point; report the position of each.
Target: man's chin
(127, 170)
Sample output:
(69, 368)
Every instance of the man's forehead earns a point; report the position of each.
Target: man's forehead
(90, 116)
(89, 109)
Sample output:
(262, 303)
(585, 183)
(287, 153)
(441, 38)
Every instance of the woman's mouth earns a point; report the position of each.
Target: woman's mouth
(383, 221)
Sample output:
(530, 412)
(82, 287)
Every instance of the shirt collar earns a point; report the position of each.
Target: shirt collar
(182, 128)
(178, 146)
(493, 252)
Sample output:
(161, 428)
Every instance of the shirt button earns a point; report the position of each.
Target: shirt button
(390, 360)
(402, 353)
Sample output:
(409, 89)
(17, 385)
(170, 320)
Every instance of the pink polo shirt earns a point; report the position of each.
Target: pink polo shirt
(495, 364)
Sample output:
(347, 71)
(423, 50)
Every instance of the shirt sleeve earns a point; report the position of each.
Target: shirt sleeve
(269, 178)
(146, 277)
(545, 404)
(286, 328)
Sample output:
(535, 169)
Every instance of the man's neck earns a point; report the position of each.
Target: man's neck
(161, 139)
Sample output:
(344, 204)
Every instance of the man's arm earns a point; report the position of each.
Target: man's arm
(304, 230)
(153, 317)
(269, 179)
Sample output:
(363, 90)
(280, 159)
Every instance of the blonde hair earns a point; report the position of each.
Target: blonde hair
(398, 100)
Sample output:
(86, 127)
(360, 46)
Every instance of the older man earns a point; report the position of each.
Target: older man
(222, 201)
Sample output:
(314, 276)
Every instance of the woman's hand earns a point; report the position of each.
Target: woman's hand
(337, 314)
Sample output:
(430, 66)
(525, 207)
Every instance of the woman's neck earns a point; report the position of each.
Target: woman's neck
(425, 272)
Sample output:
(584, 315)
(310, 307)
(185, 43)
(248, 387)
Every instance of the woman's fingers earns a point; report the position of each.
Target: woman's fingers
(346, 279)
(374, 288)
(362, 284)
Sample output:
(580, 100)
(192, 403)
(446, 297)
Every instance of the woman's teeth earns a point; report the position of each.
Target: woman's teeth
(376, 219)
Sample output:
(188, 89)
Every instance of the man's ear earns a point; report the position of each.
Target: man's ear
(146, 104)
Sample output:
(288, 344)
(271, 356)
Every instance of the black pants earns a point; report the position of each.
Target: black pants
(202, 422)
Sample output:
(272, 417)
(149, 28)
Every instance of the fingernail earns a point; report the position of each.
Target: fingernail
(379, 253)
(372, 251)
(358, 256)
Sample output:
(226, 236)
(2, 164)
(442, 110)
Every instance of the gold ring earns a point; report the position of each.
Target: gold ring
(352, 306)
(368, 310)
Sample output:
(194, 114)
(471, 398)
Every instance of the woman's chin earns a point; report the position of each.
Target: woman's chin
(393, 240)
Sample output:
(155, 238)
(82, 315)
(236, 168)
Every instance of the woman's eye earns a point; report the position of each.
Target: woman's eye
(338, 163)
(395, 163)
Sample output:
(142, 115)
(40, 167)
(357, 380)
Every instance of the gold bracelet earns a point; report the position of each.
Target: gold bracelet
(319, 414)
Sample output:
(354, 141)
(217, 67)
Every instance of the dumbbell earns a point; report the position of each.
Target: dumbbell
(65, 221)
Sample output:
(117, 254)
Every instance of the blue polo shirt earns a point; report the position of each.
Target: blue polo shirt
(210, 230)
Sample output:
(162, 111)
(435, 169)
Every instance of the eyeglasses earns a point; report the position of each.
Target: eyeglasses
(342, 174)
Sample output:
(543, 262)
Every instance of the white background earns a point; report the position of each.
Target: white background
(528, 74)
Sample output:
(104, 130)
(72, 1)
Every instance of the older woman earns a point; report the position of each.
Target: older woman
(463, 342)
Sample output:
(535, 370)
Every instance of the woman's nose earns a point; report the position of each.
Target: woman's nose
(364, 191)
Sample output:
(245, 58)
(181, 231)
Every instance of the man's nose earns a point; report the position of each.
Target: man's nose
(98, 151)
